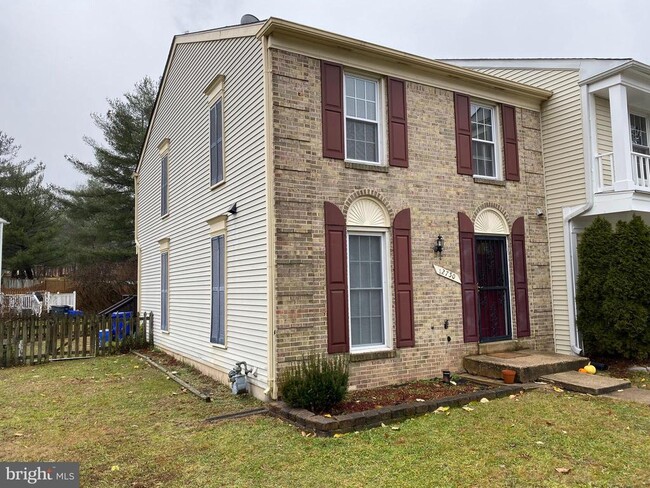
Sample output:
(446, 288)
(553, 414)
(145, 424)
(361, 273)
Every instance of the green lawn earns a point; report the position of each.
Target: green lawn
(119, 412)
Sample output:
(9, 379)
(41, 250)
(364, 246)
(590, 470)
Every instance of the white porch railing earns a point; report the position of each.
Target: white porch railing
(641, 170)
(60, 299)
(604, 174)
(29, 301)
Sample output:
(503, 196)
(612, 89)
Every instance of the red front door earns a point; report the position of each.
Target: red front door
(493, 293)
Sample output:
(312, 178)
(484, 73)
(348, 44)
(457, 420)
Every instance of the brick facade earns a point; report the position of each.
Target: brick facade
(434, 192)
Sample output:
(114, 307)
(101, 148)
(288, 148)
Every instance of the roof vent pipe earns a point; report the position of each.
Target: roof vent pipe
(248, 19)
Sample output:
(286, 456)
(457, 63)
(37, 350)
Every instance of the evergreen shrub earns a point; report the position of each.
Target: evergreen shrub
(316, 383)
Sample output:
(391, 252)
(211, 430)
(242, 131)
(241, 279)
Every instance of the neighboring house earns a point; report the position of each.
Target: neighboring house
(290, 195)
(596, 156)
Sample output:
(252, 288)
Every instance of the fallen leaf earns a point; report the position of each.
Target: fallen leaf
(563, 470)
(383, 424)
(136, 366)
(512, 397)
(559, 390)
(336, 436)
(18, 434)
(467, 409)
(453, 382)
(484, 400)
(564, 432)
(395, 427)
(539, 443)
(419, 400)
(328, 415)
(115, 467)
(441, 409)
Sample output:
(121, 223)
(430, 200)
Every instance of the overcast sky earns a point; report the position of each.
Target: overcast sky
(61, 59)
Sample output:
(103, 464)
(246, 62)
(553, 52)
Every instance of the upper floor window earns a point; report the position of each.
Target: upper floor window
(639, 134)
(215, 94)
(216, 142)
(163, 149)
(362, 119)
(484, 152)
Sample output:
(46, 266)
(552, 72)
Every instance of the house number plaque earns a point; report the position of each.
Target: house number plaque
(445, 273)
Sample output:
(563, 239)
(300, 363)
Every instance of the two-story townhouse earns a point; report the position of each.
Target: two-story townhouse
(303, 192)
(596, 157)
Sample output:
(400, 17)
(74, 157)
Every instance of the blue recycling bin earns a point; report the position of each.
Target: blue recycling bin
(121, 324)
(75, 313)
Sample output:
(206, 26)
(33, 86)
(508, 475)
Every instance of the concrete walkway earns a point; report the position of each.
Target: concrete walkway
(633, 394)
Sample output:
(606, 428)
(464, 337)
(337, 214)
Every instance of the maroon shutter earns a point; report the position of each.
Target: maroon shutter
(468, 277)
(337, 281)
(520, 276)
(511, 151)
(332, 101)
(403, 279)
(397, 130)
(463, 135)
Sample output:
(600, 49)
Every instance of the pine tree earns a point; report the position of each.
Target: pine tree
(101, 213)
(31, 238)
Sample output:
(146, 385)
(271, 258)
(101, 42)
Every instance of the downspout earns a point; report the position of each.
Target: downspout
(272, 388)
(136, 180)
(569, 213)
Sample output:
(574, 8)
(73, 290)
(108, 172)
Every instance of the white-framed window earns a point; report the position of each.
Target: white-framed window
(218, 322)
(163, 149)
(639, 133)
(215, 95)
(368, 290)
(218, 280)
(363, 118)
(485, 153)
(164, 291)
(216, 142)
(164, 185)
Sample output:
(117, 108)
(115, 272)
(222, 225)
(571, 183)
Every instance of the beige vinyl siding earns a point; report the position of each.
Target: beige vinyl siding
(604, 136)
(183, 117)
(563, 170)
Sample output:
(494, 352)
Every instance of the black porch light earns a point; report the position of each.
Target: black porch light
(439, 245)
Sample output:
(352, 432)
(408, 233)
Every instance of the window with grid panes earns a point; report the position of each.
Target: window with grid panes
(361, 119)
(483, 141)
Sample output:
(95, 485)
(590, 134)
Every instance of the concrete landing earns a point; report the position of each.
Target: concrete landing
(634, 394)
(529, 365)
(593, 384)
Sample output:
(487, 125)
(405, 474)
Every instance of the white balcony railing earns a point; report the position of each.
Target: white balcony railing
(605, 175)
(641, 170)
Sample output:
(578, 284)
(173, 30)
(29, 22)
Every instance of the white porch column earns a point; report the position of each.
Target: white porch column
(621, 141)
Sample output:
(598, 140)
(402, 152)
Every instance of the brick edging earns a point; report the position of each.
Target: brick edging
(342, 424)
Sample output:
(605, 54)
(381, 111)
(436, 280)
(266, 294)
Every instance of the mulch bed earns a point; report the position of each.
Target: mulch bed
(617, 366)
(362, 400)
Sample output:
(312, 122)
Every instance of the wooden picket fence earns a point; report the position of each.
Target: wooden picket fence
(35, 340)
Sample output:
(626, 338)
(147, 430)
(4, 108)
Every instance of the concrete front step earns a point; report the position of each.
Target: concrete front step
(529, 365)
(593, 384)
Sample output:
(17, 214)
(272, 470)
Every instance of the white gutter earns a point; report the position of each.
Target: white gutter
(2, 224)
(569, 213)
(272, 387)
(136, 180)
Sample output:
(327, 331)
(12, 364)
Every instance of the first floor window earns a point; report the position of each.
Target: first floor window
(367, 277)
(361, 118)
(217, 333)
(164, 291)
(483, 140)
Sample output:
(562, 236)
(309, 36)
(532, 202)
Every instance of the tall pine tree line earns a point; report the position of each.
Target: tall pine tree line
(100, 214)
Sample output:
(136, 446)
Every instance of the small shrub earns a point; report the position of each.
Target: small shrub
(317, 382)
